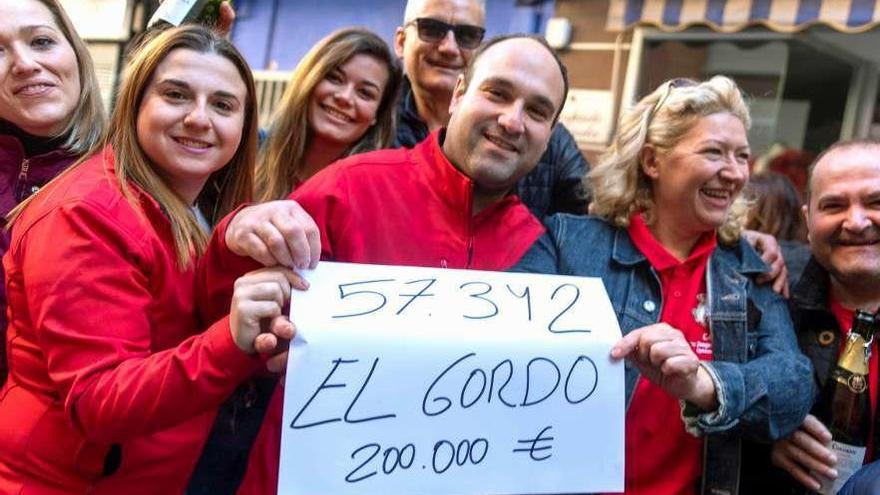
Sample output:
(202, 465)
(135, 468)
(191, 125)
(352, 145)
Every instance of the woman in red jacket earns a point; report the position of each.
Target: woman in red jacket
(340, 100)
(114, 377)
(50, 107)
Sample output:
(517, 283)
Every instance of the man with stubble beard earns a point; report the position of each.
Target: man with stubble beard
(843, 274)
(436, 42)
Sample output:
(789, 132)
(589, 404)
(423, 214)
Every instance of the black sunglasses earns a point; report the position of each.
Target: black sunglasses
(679, 82)
(433, 31)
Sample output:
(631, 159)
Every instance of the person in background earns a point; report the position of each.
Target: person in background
(50, 107)
(444, 203)
(776, 210)
(843, 227)
(340, 101)
(436, 41)
(114, 375)
(712, 357)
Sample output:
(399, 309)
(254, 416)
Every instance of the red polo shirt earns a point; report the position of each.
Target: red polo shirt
(661, 457)
(844, 318)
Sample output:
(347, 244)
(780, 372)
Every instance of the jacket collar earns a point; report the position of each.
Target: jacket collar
(739, 257)
(453, 188)
(407, 108)
(408, 119)
(623, 250)
(14, 150)
(813, 288)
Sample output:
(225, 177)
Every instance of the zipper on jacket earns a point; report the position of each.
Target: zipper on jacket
(470, 224)
(21, 184)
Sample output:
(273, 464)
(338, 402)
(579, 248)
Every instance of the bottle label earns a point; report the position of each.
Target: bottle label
(173, 12)
(849, 460)
(855, 382)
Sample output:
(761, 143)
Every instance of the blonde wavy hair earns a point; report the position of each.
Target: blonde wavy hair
(620, 186)
(281, 156)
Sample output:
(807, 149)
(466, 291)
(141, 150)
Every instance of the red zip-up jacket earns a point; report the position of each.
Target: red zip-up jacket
(397, 207)
(114, 380)
(20, 175)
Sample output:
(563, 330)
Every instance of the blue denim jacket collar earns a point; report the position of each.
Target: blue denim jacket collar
(623, 251)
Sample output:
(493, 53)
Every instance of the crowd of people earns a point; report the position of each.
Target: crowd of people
(148, 259)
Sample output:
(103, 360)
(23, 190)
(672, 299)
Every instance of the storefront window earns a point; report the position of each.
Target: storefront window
(798, 92)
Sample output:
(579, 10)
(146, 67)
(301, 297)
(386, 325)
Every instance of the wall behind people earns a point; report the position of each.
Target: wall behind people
(283, 30)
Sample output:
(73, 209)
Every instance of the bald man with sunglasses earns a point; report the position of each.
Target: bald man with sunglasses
(435, 42)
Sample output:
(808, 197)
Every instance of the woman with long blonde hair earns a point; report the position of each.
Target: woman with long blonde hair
(713, 355)
(114, 376)
(340, 100)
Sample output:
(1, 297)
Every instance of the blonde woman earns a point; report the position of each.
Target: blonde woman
(340, 101)
(713, 356)
(50, 107)
(114, 377)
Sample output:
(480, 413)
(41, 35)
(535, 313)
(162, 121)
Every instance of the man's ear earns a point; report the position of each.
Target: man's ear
(457, 93)
(399, 39)
(648, 161)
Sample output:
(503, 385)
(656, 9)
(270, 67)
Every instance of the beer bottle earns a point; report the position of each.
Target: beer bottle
(844, 405)
(177, 12)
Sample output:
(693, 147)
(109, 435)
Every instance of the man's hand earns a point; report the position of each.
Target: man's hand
(805, 453)
(663, 355)
(275, 233)
(767, 246)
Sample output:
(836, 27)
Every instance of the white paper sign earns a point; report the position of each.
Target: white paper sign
(436, 381)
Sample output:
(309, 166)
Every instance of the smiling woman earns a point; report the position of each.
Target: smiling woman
(713, 355)
(50, 107)
(114, 376)
(340, 100)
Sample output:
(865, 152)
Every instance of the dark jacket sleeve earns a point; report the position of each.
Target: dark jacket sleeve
(556, 183)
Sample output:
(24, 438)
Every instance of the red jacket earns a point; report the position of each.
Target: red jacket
(112, 387)
(20, 175)
(397, 207)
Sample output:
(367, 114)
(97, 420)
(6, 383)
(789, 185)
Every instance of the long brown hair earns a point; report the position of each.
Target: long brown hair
(229, 186)
(233, 182)
(281, 156)
(88, 120)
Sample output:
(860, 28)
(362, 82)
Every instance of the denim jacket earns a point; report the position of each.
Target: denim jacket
(763, 384)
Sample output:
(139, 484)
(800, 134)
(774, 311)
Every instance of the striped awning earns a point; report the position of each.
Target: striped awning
(849, 16)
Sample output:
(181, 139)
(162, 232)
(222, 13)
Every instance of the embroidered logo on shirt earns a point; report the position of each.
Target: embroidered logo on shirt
(701, 312)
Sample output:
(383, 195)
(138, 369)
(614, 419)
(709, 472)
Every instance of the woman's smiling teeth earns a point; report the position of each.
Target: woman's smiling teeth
(337, 114)
(192, 143)
(722, 194)
(33, 89)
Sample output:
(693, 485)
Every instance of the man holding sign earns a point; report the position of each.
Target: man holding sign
(444, 203)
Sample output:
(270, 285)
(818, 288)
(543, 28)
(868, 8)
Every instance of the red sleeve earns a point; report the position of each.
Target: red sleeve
(88, 291)
(327, 198)
(217, 271)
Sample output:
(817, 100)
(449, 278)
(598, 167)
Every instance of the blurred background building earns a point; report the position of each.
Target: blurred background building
(810, 66)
